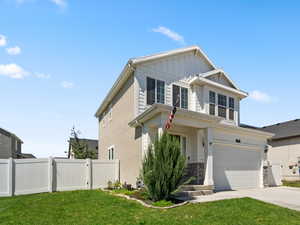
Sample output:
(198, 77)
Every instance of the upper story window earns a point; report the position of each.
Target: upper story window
(180, 97)
(155, 91)
(222, 104)
(212, 103)
(231, 108)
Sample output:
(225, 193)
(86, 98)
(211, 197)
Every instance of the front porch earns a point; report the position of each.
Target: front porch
(195, 134)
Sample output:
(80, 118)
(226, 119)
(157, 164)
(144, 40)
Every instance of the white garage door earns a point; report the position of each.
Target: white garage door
(236, 168)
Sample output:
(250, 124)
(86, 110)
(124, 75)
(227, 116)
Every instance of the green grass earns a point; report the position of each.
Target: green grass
(291, 183)
(162, 203)
(97, 207)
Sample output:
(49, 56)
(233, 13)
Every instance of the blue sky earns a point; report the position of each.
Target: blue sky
(58, 58)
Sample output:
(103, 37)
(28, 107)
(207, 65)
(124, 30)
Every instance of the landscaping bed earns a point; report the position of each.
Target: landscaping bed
(144, 197)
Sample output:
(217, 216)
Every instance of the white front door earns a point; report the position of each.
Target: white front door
(235, 168)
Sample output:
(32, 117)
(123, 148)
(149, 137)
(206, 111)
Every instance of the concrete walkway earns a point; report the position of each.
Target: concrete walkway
(287, 197)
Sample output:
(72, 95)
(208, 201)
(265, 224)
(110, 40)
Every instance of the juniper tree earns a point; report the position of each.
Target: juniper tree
(163, 167)
(79, 147)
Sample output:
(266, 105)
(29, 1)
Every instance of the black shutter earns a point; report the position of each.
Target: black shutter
(150, 91)
(176, 95)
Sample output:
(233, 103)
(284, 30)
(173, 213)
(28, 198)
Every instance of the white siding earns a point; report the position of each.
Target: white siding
(175, 69)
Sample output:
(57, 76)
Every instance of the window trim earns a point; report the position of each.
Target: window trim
(111, 156)
(155, 91)
(180, 101)
(212, 103)
(231, 108)
(222, 106)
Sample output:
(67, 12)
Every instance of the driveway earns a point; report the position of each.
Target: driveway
(287, 197)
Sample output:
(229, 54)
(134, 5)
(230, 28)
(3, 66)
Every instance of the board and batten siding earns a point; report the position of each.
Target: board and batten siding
(172, 70)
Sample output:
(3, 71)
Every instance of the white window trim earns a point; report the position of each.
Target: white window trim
(109, 152)
(155, 90)
(188, 95)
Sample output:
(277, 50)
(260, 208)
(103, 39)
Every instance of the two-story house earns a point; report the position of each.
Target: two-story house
(218, 151)
(10, 145)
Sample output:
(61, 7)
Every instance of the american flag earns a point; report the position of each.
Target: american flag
(172, 114)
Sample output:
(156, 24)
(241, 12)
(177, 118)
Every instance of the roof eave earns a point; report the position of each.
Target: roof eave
(202, 81)
(115, 88)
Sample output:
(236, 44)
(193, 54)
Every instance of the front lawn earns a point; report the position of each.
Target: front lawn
(291, 183)
(97, 207)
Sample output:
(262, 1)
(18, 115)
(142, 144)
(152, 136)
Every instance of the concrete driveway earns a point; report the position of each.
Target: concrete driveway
(287, 197)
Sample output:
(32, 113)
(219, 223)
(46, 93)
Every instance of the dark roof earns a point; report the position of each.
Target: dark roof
(284, 130)
(9, 134)
(26, 156)
(249, 126)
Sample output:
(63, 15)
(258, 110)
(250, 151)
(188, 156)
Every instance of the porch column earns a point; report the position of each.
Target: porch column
(208, 179)
(160, 131)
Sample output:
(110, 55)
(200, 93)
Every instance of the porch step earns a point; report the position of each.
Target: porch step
(189, 192)
(196, 187)
(189, 195)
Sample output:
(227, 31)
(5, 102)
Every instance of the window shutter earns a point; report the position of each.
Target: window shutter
(176, 95)
(150, 91)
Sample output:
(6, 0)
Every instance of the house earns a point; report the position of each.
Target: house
(11, 146)
(219, 152)
(92, 145)
(285, 148)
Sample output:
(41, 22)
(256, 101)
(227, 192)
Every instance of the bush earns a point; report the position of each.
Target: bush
(163, 168)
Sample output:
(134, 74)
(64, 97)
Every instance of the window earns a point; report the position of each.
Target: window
(231, 108)
(212, 103)
(222, 104)
(111, 153)
(184, 98)
(155, 91)
(180, 97)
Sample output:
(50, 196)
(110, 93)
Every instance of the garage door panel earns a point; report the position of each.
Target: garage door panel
(236, 168)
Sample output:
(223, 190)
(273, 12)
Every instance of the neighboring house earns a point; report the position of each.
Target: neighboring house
(285, 148)
(219, 152)
(11, 146)
(91, 143)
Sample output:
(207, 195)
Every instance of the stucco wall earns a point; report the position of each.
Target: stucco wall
(286, 153)
(116, 132)
(5, 146)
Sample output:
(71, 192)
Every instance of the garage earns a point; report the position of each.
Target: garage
(236, 168)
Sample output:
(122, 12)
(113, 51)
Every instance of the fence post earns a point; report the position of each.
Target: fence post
(89, 173)
(117, 170)
(50, 174)
(11, 177)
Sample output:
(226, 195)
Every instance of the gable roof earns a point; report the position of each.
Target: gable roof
(129, 68)
(9, 134)
(217, 71)
(284, 130)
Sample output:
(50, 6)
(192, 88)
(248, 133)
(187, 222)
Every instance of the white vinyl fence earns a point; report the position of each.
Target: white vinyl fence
(27, 176)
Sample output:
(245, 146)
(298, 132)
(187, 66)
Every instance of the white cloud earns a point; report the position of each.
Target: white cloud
(66, 84)
(2, 40)
(14, 50)
(169, 33)
(42, 75)
(261, 97)
(13, 71)
(60, 3)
